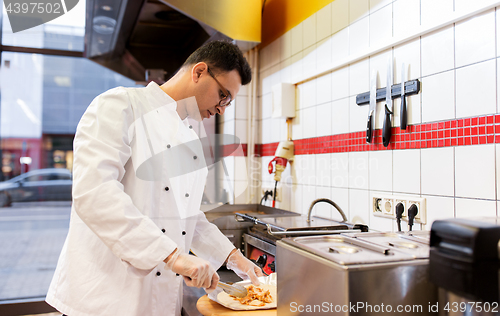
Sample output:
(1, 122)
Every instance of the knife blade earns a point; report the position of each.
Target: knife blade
(373, 106)
(386, 129)
(403, 114)
(234, 289)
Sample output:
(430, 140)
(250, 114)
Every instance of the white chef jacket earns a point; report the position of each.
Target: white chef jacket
(123, 226)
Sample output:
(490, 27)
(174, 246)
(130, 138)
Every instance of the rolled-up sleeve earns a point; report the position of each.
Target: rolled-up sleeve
(101, 150)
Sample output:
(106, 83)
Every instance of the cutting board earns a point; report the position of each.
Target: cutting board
(207, 307)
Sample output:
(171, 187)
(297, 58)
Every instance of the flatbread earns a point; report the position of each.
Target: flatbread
(226, 300)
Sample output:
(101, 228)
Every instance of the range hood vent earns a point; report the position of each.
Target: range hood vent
(130, 36)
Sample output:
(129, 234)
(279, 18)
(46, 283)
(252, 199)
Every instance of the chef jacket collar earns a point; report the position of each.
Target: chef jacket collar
(163, 98)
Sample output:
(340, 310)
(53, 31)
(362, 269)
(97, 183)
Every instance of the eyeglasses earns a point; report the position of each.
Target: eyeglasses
(226, 97)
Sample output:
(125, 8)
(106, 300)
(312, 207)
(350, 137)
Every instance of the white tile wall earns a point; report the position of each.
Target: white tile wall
(406, 16)
(475, 171)
(324, 52)
(340, 83)
(297, 39)
(359, 35)
(358, 9)
(376, 5)
(475, 39)
(323, 89)
(438, 171)
(380, 171)
(380, 26)
(438, 207)
(438, 101)
(341, 198)
(476, 89)
(340, 45)
(358, 204)
(433, 11)
(309, 30)
(358, 116)
(475, 208)
(309, 61)
(340, 15)
(309, 124)
(458, 72)
(340, 116)
(308, 196)
(438, 51)
(358, 170)
(286, 45)
(340, 170)
(324, 119)
(324, 22)
(359, 77)
(323, 168)
(406, 171)
(323, 209)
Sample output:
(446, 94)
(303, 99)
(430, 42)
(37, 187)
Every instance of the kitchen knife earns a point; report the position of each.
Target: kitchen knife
(386, 129)
(402, 114)
(373, 106)
(234, 290)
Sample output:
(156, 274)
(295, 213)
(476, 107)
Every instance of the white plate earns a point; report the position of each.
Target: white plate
(267, 280)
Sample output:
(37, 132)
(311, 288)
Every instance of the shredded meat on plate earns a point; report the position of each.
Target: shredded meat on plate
(255, 293)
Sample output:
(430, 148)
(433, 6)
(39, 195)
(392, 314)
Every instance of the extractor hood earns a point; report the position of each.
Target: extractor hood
(131, 36)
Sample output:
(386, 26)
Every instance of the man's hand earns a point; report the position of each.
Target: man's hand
(243, 267)
(196, 271)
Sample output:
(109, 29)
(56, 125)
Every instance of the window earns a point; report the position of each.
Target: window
(42, 100)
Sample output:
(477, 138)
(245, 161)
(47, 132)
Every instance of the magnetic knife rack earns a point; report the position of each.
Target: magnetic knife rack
(411, 87)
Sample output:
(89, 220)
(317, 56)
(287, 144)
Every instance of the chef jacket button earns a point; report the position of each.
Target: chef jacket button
(190, 126)
(158, 273)
(187, 194)
(168, 146)
(163, 230)
(167, 188)
(195, 157)
(183, 232)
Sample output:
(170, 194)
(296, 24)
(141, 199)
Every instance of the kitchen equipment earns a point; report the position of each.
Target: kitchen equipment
(259, 241)
(403, 114)
(370, 127)
(464, 257)
(386, 129)
(348, 275)
(415, 247)
(234, 290)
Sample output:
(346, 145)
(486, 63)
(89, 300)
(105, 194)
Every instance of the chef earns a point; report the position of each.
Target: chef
(138, 180)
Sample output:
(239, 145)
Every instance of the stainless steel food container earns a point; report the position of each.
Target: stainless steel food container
(342, 275)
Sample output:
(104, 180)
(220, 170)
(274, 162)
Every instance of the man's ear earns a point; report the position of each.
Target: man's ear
(198, 70)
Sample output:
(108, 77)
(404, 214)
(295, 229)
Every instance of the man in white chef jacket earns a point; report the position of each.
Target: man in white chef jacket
(135, 216)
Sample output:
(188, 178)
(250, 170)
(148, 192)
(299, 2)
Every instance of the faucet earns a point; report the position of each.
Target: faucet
(344, 218)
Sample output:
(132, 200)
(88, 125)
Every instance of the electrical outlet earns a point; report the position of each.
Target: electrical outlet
(278, 192)
(421, 216)
(397, 201)
(377, 205)
(385, 206)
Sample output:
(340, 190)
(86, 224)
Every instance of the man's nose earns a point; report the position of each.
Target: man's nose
(220, 109)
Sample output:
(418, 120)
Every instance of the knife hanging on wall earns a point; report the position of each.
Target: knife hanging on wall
(403, 114)
(386, 129)
(370, 126)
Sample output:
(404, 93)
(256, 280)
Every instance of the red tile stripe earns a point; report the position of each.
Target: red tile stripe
(459, 132)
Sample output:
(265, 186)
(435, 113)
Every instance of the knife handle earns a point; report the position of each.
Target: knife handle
(403, 114)
(386, 130)
(369, 130)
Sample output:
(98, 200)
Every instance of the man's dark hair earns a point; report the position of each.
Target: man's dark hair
(222, 56)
